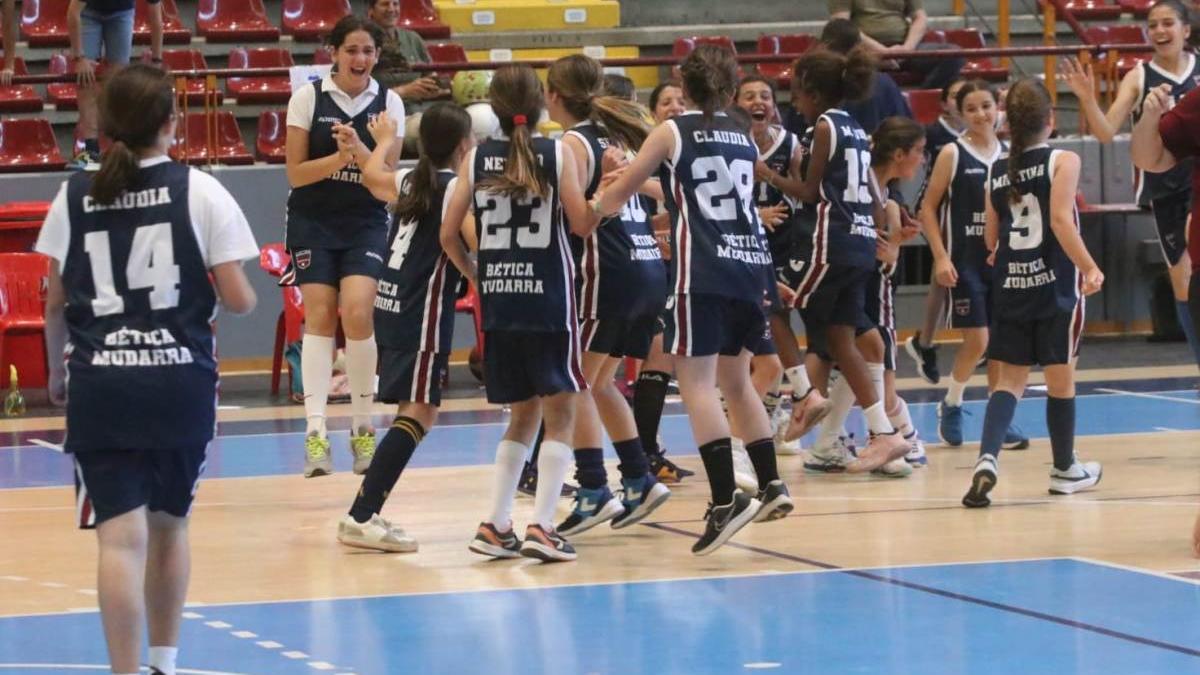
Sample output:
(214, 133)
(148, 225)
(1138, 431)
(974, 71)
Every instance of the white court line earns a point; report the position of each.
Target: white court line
(1139, 570)
(85, 666)
(1157, 397)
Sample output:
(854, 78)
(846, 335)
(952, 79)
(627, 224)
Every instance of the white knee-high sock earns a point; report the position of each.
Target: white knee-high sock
(510, 459)
(842, 399)
(362, 359)
(555, 460)
(900, 418)
(316, 367)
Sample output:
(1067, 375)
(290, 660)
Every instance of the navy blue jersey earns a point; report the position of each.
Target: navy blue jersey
(843, 230)
(621, 270)
(526, 274)
(414, 305)
(1034, 278)
(779, 158)
(937, 135)
(1149, 185)
(962, 213)
(139, 308)
(718, 241)
(338, 212)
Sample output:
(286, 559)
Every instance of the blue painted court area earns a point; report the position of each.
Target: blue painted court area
(236, 454)
(1056, 616)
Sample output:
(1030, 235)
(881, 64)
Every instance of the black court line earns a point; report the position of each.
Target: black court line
(961, 597)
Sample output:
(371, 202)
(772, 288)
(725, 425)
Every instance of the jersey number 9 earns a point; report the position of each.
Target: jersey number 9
(1026, 231)
(151, 264)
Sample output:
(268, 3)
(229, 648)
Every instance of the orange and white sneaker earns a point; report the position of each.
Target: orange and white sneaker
(546, 545)
(492, 542)
(882, 449)
(807, 413)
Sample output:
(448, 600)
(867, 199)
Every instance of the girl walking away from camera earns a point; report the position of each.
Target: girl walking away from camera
(519, 186)
(622, 290)
(337, 232)
(1042, 276)
(414, 308)
(133, 247)
(832, 263)
(953, 215)
(1175, 69)
(719, 265)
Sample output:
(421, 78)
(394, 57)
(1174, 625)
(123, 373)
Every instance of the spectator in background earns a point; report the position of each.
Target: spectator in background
(10, 42)
(400, 49)
(101, 30)
(620, 86)
(890, 26)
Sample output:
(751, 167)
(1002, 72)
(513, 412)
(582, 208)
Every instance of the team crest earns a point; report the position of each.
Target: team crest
(962, 307)
(303, 259)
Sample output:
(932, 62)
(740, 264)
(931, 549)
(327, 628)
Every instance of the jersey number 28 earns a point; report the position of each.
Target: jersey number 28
(151, 265)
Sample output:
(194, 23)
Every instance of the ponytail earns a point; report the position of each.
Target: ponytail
(135, 105)
(443, 129)
(118, 170)
(625, 121)
(834, 78)
(579, 81)
(522, 173)
(710, 78)
(516, 97)
(1028, 107)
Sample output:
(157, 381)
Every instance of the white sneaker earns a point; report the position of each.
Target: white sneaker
(377, 534)
(743, 469)
(779, 425)
(916, 452)
(831, 459)
(983, 479)
(1081, 476)
(897, 468)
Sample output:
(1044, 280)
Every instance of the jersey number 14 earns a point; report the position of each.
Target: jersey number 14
(151, 264)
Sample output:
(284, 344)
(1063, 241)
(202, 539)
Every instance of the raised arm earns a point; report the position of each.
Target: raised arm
(1146, 148)
(378, 176)
(1102, 125)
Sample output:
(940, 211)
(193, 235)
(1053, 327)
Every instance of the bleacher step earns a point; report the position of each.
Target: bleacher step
(644, 77)
(487, 16)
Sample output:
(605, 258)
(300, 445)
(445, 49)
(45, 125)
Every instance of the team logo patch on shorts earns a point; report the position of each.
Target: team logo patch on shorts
(373, 254)
(962, 307)
(670, 302)
(302, 259)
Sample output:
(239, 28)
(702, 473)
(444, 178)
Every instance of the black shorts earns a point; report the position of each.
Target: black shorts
(329, 266)
(109, 483)
(619, 338)
(1170, 217)
(411, 376)
(765, 344)
(831, 295)
(700, 324)
(969, 303)
(519, 365)
(1050, 341)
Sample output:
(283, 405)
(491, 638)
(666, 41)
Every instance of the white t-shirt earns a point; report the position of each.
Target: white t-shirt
(304, 102)
(222, 232)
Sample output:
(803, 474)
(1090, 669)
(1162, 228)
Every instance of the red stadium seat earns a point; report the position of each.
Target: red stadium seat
(1093, 10)
(980, 66)
(781, 73)
(322, 57)
(228, 147)
(234, 21)
(20, 223)
(187, 59)
(422, 17)
(20, 97)
(926, 104)
(686, 45)
(276, 89)
(272, 136)
(44, 23)
(174, 32)
(63, 95)
(1128, 34)
(289, 327)
(23, 316)
(310, 20)
(27, 144)
(1138, 8)
(447, 52)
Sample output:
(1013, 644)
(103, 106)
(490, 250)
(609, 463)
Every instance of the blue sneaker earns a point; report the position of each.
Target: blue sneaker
(950, 424)
(640, 497)
(1015, 439)
(592, 507)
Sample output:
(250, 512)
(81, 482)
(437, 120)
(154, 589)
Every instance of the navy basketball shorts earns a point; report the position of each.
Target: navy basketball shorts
(765, 344)
(1170, 217)
(411, 376)
(700, 324)
(619, 337)
(969, 302)
(519, 365)
(113, 482)
(831, 295)
(1049, 341)
(329, 266)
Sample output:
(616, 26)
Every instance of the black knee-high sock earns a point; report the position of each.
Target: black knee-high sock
(718, 464)
(391, 457)
(589, 468)
(762, 456)
(633, 458)
(1001, 407)
(1060, 422)
(649, 394)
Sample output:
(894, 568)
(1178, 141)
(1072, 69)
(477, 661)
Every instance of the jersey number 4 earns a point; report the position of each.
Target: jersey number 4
(1026, 231)
(151, 264)
(497, 223)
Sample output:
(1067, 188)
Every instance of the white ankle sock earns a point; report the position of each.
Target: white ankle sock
(798, 377)
(877, 419)
(954, 393)
(163, 658)
(510, 459)
(316, 367)
(900, 418)
(842, 399)
(554, 461)
(361, 361)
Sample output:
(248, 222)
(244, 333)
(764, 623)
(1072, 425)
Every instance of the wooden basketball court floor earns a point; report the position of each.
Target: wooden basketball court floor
(869, 575)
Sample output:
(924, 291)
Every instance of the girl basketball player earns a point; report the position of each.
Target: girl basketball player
(622, 290)
(133, 247)
(414, 308)
(337, 231)
(719, 266)
(1043, 272)
(953, 217)
(518, 186)
(1168, 193)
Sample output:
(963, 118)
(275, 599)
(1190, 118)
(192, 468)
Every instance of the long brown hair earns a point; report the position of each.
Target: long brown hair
(832, 77)
(135, 104)
(579, 81)
(894, 133)
(516, 91)
(1028, 108)
(443, 128)
(710, 78)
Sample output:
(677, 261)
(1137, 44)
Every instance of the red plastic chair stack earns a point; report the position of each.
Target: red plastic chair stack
(421, 17)
(276, 89)
(926, 104)
(174, 32)
(27, 144)
(20, 223)
(23, 316)
(310, 20)
(228, 147)
(781, 73)
(982, 66)
(234, 21)
(188, 59)
(447, 52)
(63, 95)
(289, 327)
(44, 23)
(272, 136)
(1093, 10)
(20, 97)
